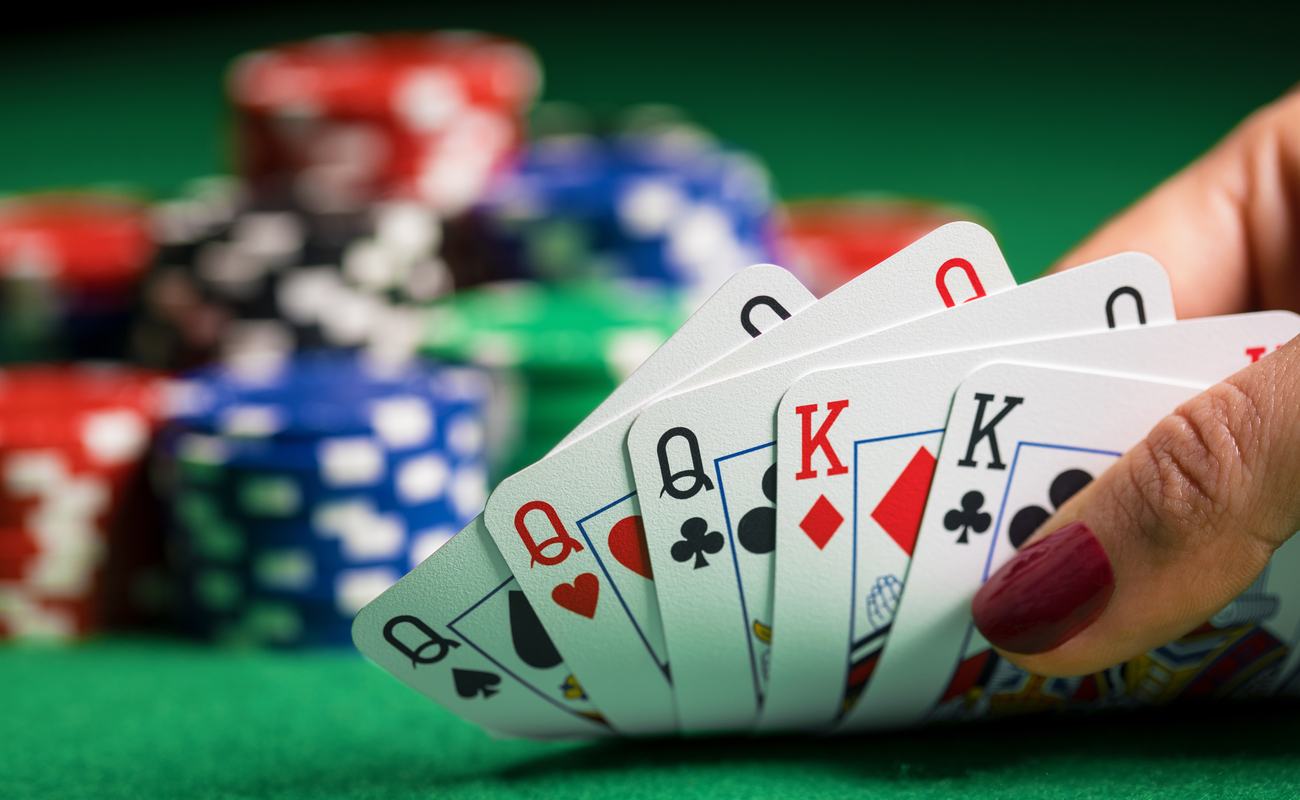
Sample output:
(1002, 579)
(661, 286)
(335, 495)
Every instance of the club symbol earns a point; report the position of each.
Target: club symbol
(968, 518)
(697, 540)
(757, 530)
(1031, 518)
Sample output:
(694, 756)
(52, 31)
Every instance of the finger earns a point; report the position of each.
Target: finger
(1228, 226)
(1165, 538)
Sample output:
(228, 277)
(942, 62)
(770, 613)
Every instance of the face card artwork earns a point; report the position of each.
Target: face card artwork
(705, 458)
(503, 648)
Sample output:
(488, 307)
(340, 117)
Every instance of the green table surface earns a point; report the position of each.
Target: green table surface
(157, 719)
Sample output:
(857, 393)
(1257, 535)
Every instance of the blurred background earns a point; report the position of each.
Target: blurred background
(1047, 119)
(279, 303)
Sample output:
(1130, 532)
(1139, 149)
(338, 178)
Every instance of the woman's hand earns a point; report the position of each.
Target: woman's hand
(1186, 520)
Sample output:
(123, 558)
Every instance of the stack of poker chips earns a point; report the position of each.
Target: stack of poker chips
(73, 447)
(302, 489)
(655, 202)
(69, 267)
(233, 278)
(341, 120)
(554, 351)
(830, 241)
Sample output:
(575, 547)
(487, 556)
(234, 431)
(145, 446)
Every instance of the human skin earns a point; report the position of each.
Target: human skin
(1188, 518)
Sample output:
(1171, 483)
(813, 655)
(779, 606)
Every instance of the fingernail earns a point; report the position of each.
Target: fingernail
(1047, 594)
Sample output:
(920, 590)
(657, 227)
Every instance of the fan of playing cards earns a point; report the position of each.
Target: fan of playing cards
(778, 522)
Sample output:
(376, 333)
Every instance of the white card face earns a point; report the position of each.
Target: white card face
(936, 665)
(466, 583)
(705, 462)
(837, 585)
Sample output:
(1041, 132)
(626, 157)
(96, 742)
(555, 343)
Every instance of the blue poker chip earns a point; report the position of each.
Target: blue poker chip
(323, 392)
(669, 206)
(221, 611)
(345, 531)
(300, 493)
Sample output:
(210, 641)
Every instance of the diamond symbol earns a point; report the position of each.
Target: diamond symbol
(899, 511)
(821, 522)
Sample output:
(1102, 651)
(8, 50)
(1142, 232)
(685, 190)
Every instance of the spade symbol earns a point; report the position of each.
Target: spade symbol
(1031, 518)
(968, 518)
(757, 531)
(471, 683)
(531, 641)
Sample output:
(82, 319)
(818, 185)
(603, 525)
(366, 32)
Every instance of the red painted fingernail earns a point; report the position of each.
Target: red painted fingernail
(1047, 594)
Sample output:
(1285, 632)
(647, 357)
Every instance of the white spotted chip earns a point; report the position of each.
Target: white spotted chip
(356, 461)
(422, 479)
(402, 421)
(115, 437)
(355, 588)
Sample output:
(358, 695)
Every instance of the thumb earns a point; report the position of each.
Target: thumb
(1169, 535)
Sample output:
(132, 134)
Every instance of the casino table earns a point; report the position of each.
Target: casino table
(1045, 124)
(138, 718)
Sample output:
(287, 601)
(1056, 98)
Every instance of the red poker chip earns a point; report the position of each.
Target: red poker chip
(366, 75)
(46, 389)
(90, 241)
(54, 457)
(25, 510)
(72, 435)
(22, 552)
(17, 549)
(348, 163)
(337, 121)
(831, 241)
(27, 613)
(18, 572)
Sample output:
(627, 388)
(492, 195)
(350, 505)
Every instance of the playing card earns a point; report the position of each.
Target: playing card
(459, 628)
(570, 530)
(705, 461)
(1022, 440)
(951, 265)
(570, 526)
(834, 595)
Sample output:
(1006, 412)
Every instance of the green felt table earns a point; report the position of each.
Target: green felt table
(140, 719)
(1048, 124)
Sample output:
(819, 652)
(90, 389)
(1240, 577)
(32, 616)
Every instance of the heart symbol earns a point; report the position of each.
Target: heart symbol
(627, 543)
(579, 596)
